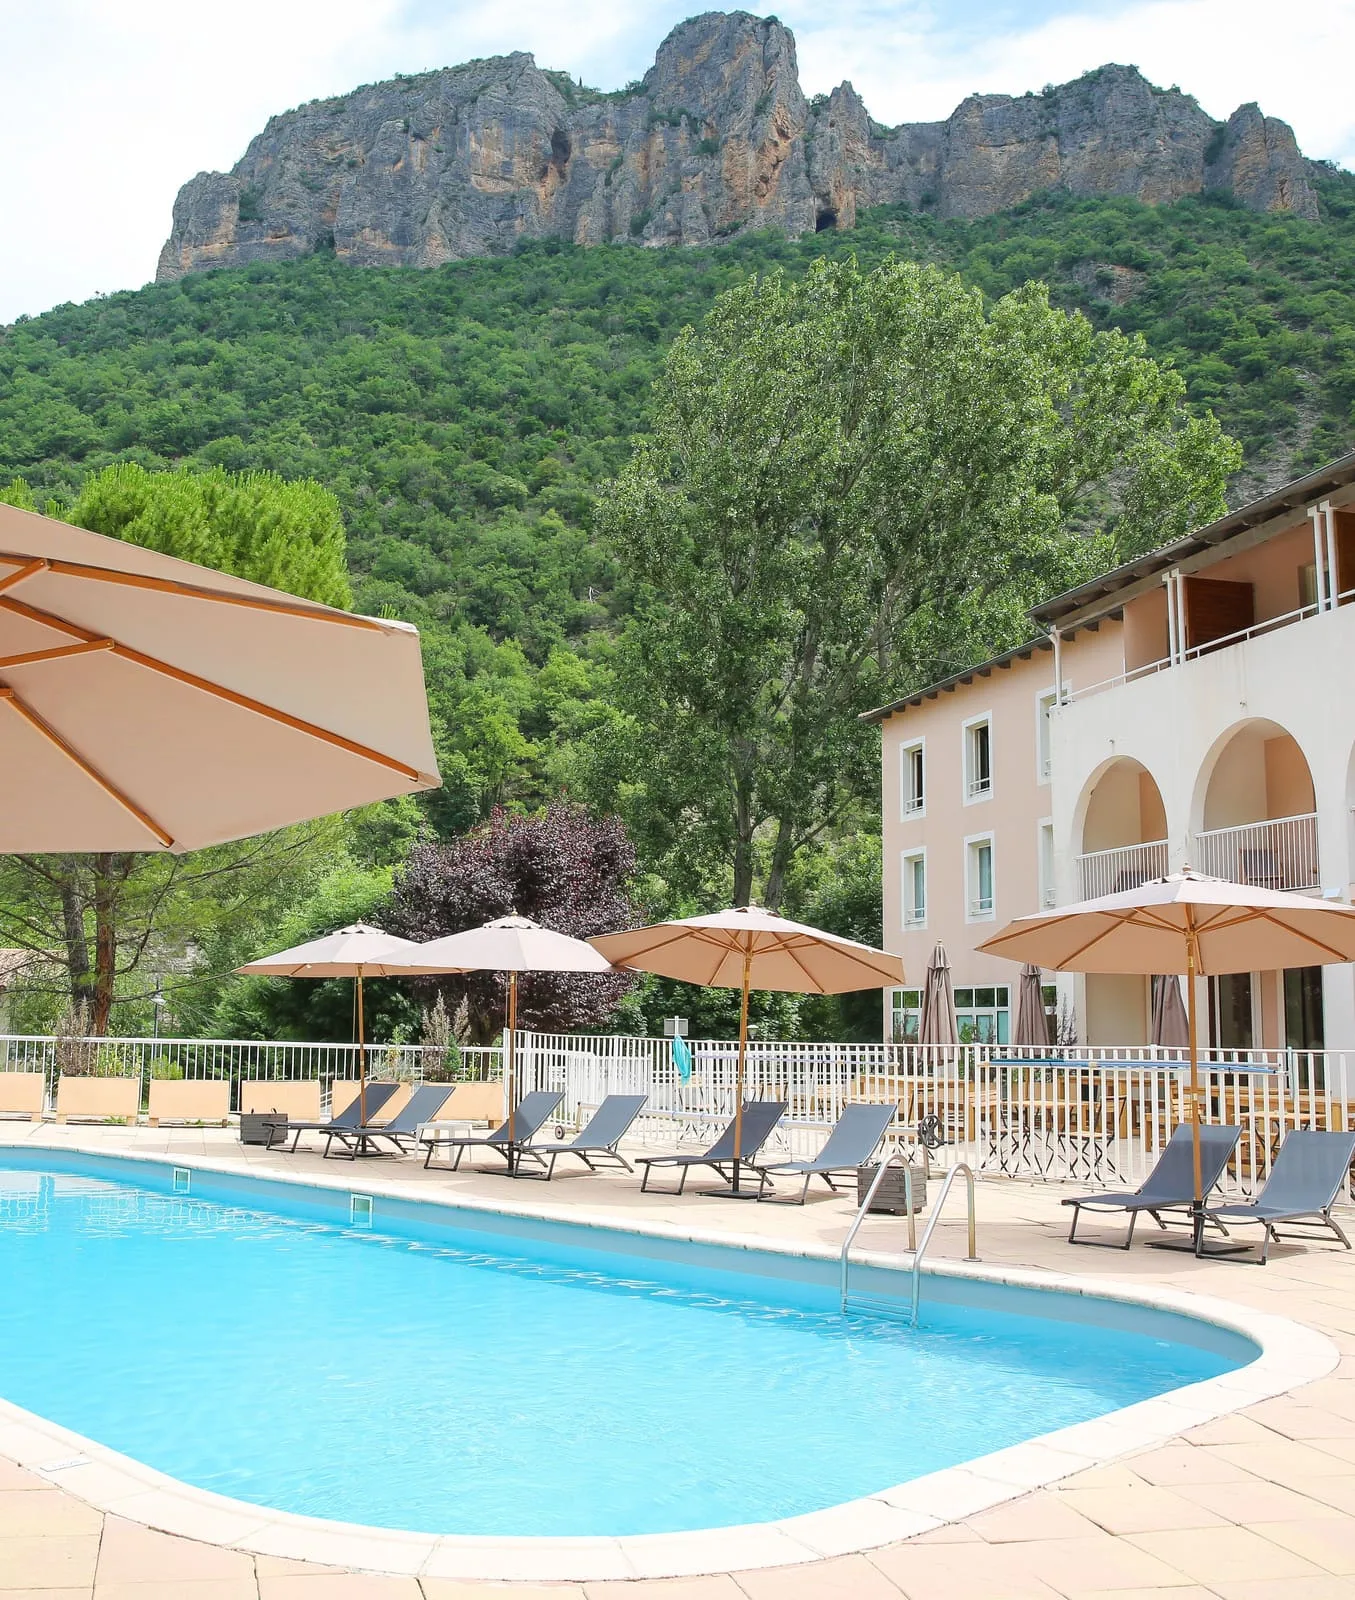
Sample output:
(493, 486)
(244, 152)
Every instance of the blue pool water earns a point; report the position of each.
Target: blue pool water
(450, 1379)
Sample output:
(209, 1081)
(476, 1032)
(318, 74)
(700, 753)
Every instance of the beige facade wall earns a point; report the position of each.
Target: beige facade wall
(1012, 813)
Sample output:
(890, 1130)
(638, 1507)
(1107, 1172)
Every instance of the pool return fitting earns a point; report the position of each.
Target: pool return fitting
(888, 1307)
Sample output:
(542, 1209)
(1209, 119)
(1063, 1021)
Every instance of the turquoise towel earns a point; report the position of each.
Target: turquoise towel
(682, 1057)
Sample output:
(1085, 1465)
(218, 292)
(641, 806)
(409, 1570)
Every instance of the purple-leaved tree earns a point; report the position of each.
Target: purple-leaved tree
(566, 869)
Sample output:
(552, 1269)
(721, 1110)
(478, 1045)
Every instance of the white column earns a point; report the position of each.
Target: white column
(1319, 557)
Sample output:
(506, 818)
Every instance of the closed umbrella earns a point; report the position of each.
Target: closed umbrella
(1171, 1028)
(1191, 924)
(746, 949)
(150, 704)
(1030, 1026)
(937, 1024)
(354, 952)
(513, 945)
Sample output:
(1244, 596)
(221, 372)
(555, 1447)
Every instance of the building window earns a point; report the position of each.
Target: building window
(983, 1016)
(978, 759)
(1232, 1020)
(1308, 587)
(1303, 1025)
(915, 889)
(1044, 845)
(980, 896)
(1044, 762)
(907, 1016)
(913, 779)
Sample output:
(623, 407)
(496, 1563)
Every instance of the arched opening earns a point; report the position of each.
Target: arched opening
(1124, 830)
(560, 149)
(827, 218)
(1258, 812)
(1258, 825)
(1124, 843)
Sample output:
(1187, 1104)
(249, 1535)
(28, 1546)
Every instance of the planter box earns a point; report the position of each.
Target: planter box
(257, 1126)
(890, 1195)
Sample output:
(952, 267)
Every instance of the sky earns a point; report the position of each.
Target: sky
(108, 106)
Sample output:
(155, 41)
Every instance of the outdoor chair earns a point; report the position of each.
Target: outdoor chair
(366, 1138)
(1170, 1186)
(853, 1141)
(533, 1111)
(377, 1096)
(759, 1118)
(1302, 1187)
(608, 1125)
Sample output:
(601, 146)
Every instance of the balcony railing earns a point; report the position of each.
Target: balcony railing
(1281, 854)
(1126, 867)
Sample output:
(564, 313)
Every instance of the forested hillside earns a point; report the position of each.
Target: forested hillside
(465, 415)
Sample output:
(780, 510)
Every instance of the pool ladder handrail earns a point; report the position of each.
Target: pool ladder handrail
(918, 1251)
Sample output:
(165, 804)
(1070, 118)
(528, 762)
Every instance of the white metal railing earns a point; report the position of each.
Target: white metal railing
(1090, 1114)
(1280, 854)
(1124, 867)
(1207, 647)
(1068, 1113)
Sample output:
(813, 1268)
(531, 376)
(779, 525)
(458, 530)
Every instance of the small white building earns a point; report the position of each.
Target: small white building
(1195, 706)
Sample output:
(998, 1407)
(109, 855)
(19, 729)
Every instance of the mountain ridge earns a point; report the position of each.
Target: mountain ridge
(715, 140)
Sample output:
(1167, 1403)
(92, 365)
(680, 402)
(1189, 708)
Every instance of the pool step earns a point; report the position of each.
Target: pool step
(867, 1305)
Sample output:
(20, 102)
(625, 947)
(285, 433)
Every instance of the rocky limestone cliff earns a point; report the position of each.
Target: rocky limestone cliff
(717, 138)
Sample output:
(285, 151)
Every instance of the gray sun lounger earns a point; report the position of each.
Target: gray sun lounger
(1302, 1187)
(608, 1125)
(377, 1096)
(853, 1141)
(532, 1112)
(422, 1106)
(1170, 1186)
(759, 1118)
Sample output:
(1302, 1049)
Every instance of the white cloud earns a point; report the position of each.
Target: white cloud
(107, 106)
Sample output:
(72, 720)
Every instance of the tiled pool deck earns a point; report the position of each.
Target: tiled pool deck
(1256, 1504)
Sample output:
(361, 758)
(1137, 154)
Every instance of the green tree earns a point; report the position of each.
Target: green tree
(834, 461)
(101, 920)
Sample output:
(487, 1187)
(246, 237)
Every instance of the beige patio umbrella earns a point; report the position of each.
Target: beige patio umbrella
(149, 704)
(937, 1023)
(746, 949)
(355, 952)
(1170, 1027)
(1030, 1025)
(1186, 923)
(509, 944)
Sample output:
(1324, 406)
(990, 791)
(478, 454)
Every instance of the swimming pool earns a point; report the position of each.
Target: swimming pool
(469, 1373)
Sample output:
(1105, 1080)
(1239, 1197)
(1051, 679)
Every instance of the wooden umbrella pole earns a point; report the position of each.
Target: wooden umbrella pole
(362, 1061)
(1192, 969)
(512, 1057)
(739, 1071)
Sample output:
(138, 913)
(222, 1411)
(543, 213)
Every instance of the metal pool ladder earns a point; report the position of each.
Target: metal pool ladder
(888, 1307)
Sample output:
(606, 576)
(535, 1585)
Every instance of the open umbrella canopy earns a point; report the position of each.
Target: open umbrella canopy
(355, 951)
(749, 948)
(1235, 927)
(1184, 922)
(753, 947)
(508, 944)
(147, 703)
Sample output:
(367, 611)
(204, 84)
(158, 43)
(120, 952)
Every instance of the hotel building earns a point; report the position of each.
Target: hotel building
(1196, 707)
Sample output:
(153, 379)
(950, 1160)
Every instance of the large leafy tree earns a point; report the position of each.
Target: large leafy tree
(853, 480)
(565, 869)
(102, 925)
